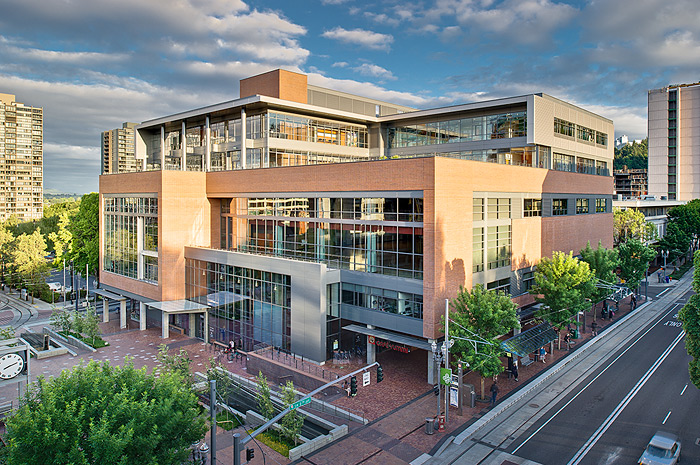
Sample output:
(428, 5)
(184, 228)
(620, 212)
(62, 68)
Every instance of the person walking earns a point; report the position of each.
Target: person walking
(567, 340)
(543, 354)
(634, 301)
(515, 371)
(594, 328)
(494, 393)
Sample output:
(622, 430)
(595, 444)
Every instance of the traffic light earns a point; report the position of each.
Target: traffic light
(436, 389)
(380, 374)
(249, 454)
(353, 386)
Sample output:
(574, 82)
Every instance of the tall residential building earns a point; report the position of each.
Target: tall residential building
(21, 160)
(309, 219)
(117, 154)
(674, 142)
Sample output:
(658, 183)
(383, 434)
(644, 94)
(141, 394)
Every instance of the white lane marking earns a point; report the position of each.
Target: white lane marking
(576, 459)
(667, 415)
(591, 382)
(686, 387)
(663, 292)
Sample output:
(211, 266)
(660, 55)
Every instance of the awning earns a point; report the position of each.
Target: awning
(389, 336)
(178, 306)
(531, 340)
(217, 299)
(108, 295)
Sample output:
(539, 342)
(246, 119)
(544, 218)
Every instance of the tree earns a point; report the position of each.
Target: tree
(481, 315)
(267, 410)
(85, 231)
(175, 364)
(91, 325)
(631, 223)
(603, 263)
(690, 316)
(292, 422)
(562, 284)
(7, 240)
(633, 156)
(29, 258)
(97, 413)
(634, 261)
(61, 319)
(62, 240)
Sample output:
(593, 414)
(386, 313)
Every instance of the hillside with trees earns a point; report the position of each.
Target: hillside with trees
(634, 156)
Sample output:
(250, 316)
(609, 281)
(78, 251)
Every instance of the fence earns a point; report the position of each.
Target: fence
(294, 361)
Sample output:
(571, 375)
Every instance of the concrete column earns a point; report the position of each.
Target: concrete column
(165, 330)
(431, 368)
(193, 321)
(122, 314)
(142, 316)
(105, 310)
(371, 349)
(162, 148)
(183, 145)
(243, 138)
(207, 145)
(206, 327)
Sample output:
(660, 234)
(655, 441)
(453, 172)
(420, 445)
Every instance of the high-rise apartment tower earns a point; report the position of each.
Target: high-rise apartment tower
(117, 154)
(21, 160)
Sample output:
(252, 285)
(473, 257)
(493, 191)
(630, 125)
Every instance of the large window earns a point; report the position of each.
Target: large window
(478, 250)
(498, 209)
(499, 246)
(383, 300)
(560, 207)
(564, 127)
(581, 206)
(246, 305)
(477, 209)
(500, 126)
(532, 207)
(600, 205)
(374, 235)
(502, 286)
(284, 126)
(130, 238)
(563, 162)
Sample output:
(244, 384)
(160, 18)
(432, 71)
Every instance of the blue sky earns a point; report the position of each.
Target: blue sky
(93, 64)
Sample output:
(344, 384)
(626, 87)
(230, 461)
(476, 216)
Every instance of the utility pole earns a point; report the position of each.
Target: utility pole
(212, 412)
(64, 283)
(448, 387)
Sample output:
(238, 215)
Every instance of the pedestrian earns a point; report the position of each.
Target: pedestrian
(658, 275)
(567, 340)
(543, 353)
(494, 393)
(515, 371)
(594, 328)
(634, 301)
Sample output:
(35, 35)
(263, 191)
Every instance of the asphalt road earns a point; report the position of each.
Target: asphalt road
(614, 412)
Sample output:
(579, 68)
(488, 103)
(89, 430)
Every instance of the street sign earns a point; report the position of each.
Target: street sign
(365, 378)
(299, 403)
(445, 376)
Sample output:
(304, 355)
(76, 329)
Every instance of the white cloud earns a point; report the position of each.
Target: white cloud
(369, 69)
(369, 39)
(333, 2)
(382, 18)
(340, 64)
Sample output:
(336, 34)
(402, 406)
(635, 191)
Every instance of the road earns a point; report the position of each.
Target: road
(610, 418)
(601, 405)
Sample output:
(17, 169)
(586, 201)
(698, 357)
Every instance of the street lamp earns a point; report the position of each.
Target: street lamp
(437, 358)
(664, 253)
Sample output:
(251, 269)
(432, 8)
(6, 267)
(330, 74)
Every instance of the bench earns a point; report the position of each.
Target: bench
(525, 361)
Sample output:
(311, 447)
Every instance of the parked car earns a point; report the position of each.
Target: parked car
(56, 286)
(663, 449)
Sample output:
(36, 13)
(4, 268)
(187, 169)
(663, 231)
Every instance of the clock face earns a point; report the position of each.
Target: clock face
(10, 366)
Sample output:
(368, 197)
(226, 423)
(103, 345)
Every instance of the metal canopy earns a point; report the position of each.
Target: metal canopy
(178, 306)
(109, 295)
(531, 340)
(389, 336)
(217, 299)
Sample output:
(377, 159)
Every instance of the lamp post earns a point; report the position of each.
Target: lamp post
(664, 253)
(437, 358)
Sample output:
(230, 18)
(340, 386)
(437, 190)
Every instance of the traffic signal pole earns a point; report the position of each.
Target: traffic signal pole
(239, 443)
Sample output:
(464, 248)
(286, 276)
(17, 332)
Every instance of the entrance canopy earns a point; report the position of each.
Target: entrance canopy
(109, 295)
(389, 336)
(172, 307)
(531, 340)
(221, 298)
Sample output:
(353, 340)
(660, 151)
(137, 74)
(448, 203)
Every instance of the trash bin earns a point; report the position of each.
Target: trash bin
(429, 425)
(576, 334)
(469, 395)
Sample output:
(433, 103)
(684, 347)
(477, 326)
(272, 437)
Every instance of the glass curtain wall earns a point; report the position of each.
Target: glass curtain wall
(251, 307)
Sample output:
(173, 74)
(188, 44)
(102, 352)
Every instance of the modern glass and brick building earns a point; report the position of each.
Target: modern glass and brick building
(674, 142)
(117, 150)
(21, 160)
(301, 217)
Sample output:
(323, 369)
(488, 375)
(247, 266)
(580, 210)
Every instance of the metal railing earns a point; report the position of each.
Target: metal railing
(294, 361)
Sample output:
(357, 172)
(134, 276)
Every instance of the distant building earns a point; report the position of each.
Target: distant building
(674, 141)
(621, 141)
(630, 183)
(21, 160)
(117, 154)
